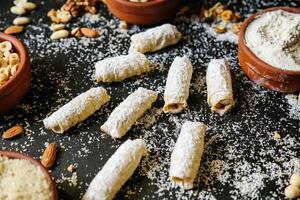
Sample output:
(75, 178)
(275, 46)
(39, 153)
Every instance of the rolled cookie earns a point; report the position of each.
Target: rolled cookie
(116, 171)
(155, 38)
(219, 86)
(121, 67)
(77, 110)
(128, 112)
(187, 153)
(178, 85)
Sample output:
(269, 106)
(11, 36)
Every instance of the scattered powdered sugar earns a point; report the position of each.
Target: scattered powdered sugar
(294, 106)
(241, 159)
(228, 36)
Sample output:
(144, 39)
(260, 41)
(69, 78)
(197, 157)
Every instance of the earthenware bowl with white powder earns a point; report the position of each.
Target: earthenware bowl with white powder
(269, 48)
(35, 164)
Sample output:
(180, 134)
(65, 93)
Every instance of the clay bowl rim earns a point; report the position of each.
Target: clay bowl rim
(141, 4)
(242, 41)
(17, 155)
(20, 48)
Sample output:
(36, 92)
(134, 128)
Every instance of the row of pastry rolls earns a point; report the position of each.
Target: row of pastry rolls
(219, 97)
(186, 156)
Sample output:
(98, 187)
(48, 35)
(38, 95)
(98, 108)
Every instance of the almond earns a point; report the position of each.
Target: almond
(88, 32)
(49, 156)
(13, 30)
(17, 10)
(59, 34)
(21, 21)
(13, 132)
(235, 28)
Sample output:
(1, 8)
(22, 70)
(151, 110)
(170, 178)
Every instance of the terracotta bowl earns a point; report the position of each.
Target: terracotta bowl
(13, 91)
(152, 12)
(16, 155)
(259, 71)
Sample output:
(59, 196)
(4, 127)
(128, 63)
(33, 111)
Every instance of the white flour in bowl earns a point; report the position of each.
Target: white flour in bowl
(274, 37)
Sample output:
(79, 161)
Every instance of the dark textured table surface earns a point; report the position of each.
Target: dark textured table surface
(241, 159)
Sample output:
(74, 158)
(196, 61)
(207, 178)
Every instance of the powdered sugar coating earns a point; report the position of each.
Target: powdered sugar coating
(178, 85)
(77, 110)
(116, 171)
(128, 112)
(155, 38)
(241, 160)
(187, 153)
(121, 67)
(219, 86)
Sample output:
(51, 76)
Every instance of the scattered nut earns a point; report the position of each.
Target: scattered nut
(17, 10)
(13, 132)
(16, 2)
(277, 136)
(295, 179)
(71, 168)
(292, 192)
(59, 34)
(64, 16)
(220, 29)
(21, 21)
(219, 9)
(53, 16)
(76, 32)
(226, 15)
(72, 9)
(236, 17)
(56, 27)
(123, 25)
(88, 32)
(27, 5)
(208, 14)
(13, 30)
(49, 156)
(235, 28)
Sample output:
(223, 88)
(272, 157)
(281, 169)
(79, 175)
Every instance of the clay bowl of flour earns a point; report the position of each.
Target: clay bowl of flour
(144, 13)
(13, 91)
(25, 173)
(269, 48)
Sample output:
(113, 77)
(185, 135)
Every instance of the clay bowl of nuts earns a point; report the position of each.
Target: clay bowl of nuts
(144, 12)
(15, 72)
(28, 177)
(266, 54)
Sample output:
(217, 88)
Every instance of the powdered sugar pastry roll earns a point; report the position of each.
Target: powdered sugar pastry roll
(128, 112)
(77, 110)
(121, 67)
(178, 85)
(155, 38)
(116, 171)
(187, 153)
(219, 86)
